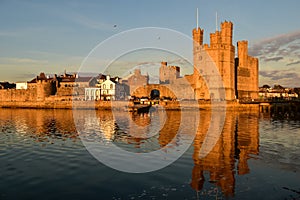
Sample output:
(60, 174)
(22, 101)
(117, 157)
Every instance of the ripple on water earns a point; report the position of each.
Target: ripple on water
(280, 142)
(41, 153)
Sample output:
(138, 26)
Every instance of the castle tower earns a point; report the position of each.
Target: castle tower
(226, 32)
(247, 73)
(168, 74)
(197, 44)
(221, 52)
(226, 61)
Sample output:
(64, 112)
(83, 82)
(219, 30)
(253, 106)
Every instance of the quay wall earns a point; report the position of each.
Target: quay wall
(122, 105)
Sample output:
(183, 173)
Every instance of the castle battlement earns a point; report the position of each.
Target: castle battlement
(240, 75)
(168, 74)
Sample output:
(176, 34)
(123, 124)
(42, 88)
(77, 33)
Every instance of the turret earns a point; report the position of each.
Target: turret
(198, 36)
(226, 32)
(242, 47)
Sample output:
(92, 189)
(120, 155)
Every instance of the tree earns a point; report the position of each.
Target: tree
(266, 86)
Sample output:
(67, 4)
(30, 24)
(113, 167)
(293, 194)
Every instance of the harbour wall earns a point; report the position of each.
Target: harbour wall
(122, 105)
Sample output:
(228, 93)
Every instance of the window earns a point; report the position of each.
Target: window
(104, 86)
(111, 86)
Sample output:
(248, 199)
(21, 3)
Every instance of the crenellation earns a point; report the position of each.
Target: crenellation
(215, 39)
(226, 32)
(222, 53)
(247, 73)
(239, 76)
(168, 74)
(198, 36)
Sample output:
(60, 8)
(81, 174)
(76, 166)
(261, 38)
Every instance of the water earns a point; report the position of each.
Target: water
(43, 157)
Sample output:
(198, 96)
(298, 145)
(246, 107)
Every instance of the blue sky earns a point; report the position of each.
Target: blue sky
(51, 36)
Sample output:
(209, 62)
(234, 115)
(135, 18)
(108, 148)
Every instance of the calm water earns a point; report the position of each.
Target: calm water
(42, 157)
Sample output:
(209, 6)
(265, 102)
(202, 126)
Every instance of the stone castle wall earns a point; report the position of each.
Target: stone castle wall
(137, 80)
(35, 92)
(239, 75)
(7, 95)
(247, 73)
(221, 53)
(168, 74)
(70, 91)
(41, 91)
(180, 89)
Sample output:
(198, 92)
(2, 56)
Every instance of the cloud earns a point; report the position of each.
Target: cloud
(24, 61)
(277, 48)
(26, 76)
(284, 77)
(293, 63)
(273, 59)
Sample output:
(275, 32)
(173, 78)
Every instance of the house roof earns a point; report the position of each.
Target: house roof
(74, 79)
(7, 85)
(42, 76)
(108, 81)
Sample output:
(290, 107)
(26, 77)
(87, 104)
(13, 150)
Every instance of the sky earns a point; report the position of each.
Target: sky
(53, 36)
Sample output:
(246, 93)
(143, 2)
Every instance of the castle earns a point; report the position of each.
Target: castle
(239, 75)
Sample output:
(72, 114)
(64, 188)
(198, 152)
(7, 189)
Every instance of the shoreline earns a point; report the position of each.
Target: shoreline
(123, 105)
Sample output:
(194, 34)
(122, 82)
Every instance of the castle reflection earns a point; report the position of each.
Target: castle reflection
(237, 142)
(228, 158)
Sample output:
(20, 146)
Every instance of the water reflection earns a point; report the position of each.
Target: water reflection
(41, 125)
(31, 140)
(238, 141)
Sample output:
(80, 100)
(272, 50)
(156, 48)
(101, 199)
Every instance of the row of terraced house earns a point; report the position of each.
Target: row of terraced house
(72, 87)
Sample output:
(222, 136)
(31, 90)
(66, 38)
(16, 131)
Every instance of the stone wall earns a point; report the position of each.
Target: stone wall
(70, 91)
(221, 55)
(12, 95)
(239, 75)
(247, 73)
(137, 80)
(181, 89)
(41, 91)
(168, 74)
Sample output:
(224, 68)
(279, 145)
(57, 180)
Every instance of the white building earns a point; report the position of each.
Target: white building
(92, 94)
(108, 88)
(269, 93)
(21, 85)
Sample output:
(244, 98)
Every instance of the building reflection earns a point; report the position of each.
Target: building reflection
(237, 142)
(41, 124)
(227, 159)
(123, 127)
